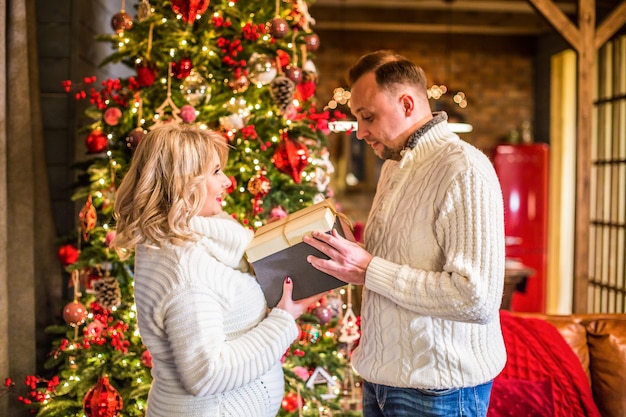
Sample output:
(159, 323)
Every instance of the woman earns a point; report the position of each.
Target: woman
(215, 348)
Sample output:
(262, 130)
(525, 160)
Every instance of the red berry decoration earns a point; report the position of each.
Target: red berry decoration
(292, 402)
(146, 73)
(291, 157)
(189, 10)
(146, 358)
(96, 141)
(278, 27)
(75, 313)
(121, 21)
(68, 254)
(102, 400)
(312, 42)
(182, 68)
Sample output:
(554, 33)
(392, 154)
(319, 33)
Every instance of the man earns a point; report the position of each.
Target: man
(432, 266)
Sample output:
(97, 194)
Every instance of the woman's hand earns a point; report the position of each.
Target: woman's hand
(295, 308)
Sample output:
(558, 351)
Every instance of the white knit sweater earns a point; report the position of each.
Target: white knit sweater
(215, 350)
(433, 290)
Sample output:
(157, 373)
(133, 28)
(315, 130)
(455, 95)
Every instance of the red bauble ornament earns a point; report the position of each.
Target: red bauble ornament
(75, 313)
(312, 42)
(121, 21)
(68, 254)
(294, 74)
(278, 27)
(291, 402)
(291, 157)
(112, 116)
(96, 141)
(134, 137)
(188, 113)
(323, 314)
(182, 68)
(146, 73)
(189, 10)
(102, 400)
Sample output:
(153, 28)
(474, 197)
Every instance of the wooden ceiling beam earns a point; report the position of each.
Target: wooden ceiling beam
(610, 25)
(483, 6)
(558, 19)
(428, 28)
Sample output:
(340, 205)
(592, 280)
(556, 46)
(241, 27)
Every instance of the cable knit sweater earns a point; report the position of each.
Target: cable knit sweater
(433, 289)
(215, 349)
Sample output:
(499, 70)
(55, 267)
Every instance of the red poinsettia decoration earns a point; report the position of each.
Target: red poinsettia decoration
(291, 157)
(189, 10)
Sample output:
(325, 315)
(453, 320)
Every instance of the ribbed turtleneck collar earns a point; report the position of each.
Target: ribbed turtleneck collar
(427, 138)
(223, 237)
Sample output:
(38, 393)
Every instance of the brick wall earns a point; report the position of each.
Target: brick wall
(496, 74)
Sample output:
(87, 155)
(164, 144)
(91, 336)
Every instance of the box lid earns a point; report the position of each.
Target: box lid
(286, 232)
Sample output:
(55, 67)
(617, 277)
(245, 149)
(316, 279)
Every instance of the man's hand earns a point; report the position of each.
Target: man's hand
(348, 260)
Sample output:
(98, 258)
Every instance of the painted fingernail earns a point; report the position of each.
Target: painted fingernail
(288, 280)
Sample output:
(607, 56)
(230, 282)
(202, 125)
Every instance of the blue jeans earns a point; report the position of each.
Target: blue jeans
(385, 401)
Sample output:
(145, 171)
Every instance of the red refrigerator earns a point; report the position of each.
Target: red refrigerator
(523, 173)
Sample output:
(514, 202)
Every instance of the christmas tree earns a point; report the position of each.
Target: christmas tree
(245, 69)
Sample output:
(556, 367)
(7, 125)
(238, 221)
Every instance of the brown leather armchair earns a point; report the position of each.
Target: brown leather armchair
(599, 341)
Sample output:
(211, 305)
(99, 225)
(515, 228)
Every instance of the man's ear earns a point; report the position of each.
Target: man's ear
(408, 104)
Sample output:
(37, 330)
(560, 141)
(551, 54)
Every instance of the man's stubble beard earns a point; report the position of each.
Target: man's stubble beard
(389, 153)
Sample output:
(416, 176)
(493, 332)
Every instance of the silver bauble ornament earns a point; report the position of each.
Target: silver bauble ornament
(261, 69)
(196, 89)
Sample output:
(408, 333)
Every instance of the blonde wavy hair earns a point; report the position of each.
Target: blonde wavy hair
(165, 186)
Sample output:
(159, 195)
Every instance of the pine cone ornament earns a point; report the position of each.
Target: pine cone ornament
(107, 291)
(282, 89)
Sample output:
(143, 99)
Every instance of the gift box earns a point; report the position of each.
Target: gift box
(277, 251)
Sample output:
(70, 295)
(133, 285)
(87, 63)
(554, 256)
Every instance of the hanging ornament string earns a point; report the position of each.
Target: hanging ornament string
(139, 110)
(279, 66)
(295, 49)
(303, 47)
(150, 30)
(76, 283)
(299, 402)
(303, 51)
(349, 333)
(138, 99)
(160, 111)
(77, 294)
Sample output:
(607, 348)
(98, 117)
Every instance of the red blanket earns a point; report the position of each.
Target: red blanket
(542, 376)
